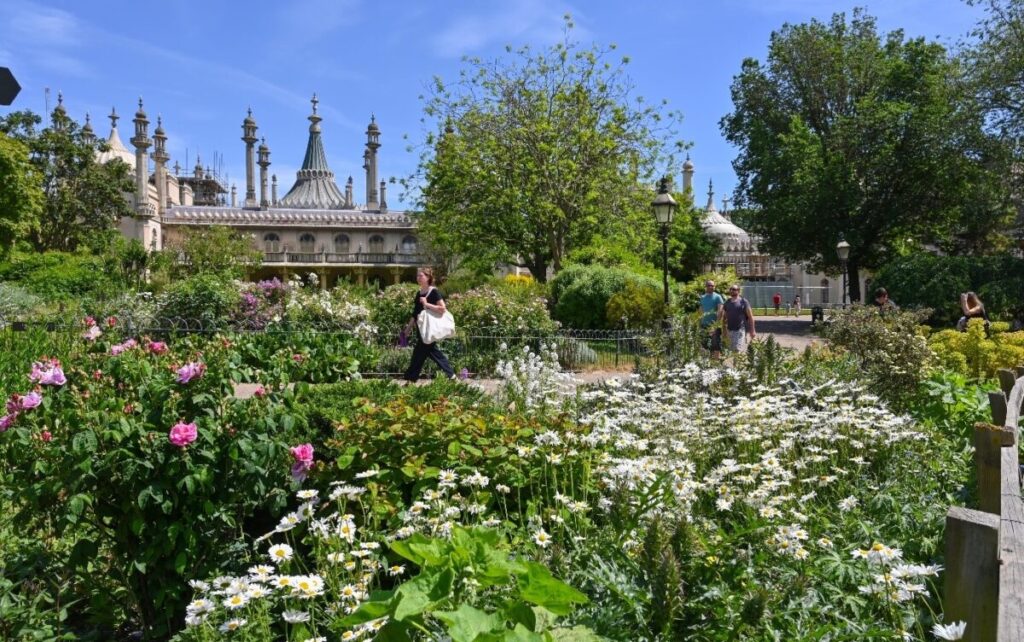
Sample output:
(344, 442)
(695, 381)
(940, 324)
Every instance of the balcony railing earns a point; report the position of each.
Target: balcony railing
(343, 258)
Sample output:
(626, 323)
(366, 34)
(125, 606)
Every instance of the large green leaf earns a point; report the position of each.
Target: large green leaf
(466, 623)
(538, 586)
(423, 592)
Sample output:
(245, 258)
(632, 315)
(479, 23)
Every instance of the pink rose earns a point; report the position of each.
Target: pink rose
(183, 434)
(121, 347)
(89, 321)
(259, 392)
(7, 421)
(46, 436)
(299, 470)
(111, 322)
(92, 333)
(298, 358)
(191, 371)
(18, 403)
(303, 453)
(157, 347)
(48, 373)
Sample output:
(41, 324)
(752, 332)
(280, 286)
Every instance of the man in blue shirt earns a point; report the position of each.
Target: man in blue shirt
(711, 303)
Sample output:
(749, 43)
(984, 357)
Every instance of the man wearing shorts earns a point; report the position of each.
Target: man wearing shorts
(739, 319)
(711, 305)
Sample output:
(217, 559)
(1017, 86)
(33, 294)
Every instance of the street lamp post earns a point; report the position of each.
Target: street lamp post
(664, 207)
(843, 251)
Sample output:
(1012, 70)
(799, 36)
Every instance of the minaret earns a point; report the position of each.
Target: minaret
(234, 194)
(383, 196)
(160, 158)
(264, 163)
(197, 171)
(370, 163)
(273, 190)
(725, 206)
(711, 196)
(349, 200)
(59, 116)
(88, 135)
(688, 177)
(142, 143)
(249, 136)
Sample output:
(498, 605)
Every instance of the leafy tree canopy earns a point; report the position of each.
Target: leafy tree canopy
(536, 153)
(216, 250)
(845, 132)
(84, 200)
(21, 196)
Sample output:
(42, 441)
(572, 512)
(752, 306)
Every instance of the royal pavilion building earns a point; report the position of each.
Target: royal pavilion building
(316, 227)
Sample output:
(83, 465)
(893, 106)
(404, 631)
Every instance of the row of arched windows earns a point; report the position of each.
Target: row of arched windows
(342, 243)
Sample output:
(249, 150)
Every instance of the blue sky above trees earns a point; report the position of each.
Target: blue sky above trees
(200, 65)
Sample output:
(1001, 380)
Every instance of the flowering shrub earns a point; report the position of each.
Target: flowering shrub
(309, 307)
(891, 348)
(506, 312)
(976, 354)
(533, 382)
(143, 454)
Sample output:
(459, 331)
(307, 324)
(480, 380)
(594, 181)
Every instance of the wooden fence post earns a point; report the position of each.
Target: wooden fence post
(997, 402)
(988, 444)
(972, 572)
(1011, 552)
(1006, 380)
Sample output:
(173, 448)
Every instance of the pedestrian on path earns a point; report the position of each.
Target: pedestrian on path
(739, 319)
(797, 304)
(711, 303)
(777, 301)
(430, 298)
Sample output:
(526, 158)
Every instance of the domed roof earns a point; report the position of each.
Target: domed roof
(116, 147)
(721, 228)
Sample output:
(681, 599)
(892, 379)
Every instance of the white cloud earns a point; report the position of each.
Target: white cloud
(44, 38)
(517, 20)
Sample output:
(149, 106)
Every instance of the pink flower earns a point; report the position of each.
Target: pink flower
(89, 321)
(92, 333)
(191, 371)
(111, 322)
(303, 453)
(300, 470)
(183, 434)
(48, 373)
(298, 358)
(18, 403)
(46, 436)
(7, 421)
(259, 392)
(121, 347)
(157, 347)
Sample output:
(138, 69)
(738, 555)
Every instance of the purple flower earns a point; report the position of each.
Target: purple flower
(47, 373)
(464, 374)
(17, 403)
(7, 421)
(191, 371)
(121, 347)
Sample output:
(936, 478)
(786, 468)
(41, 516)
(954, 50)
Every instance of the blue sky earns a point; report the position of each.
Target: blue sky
(201, 64)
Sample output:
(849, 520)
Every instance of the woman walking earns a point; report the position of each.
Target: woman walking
(431, 299)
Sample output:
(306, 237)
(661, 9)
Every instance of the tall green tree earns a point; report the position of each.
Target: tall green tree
(537, 152)
(21, 196)
(843, 131)
(84, 200)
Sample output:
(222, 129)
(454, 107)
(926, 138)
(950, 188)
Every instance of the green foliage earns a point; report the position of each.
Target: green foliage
(204, 300)
(506, 311)
(936, 281)
(21, 197)
(16, 301)
(638, 305)
(843, 131)
(535, 153)
(891, 348)
(59, 276)
(518, 599)
(689, 246)
(392, 307)
(975, 353)
(84, 201)
(216, 250)
(580, 292)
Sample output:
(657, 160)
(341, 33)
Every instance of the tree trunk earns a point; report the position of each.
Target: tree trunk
(539, 268)
(853, 277)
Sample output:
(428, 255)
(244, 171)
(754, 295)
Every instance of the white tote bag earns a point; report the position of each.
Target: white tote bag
(435, 326)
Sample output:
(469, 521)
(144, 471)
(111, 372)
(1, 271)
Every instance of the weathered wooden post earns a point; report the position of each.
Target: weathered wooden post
(972, 572)
(988, 445)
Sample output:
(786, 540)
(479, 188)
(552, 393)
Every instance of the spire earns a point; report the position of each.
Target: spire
(113, 118)
(314, 186)
(60, 104)
(711, 197)
(116, 149)
(87, 133)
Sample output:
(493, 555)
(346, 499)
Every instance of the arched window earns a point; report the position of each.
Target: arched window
(409, 245)
(307, 243)
(341, 243)
(377, 243)
(271, 243)
(824, 291)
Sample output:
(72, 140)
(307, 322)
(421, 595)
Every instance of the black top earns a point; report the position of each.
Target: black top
(433, 298)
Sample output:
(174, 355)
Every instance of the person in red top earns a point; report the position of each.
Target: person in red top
(777, 300)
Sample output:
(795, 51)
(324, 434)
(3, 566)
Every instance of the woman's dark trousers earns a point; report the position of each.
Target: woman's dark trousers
(419, 356)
